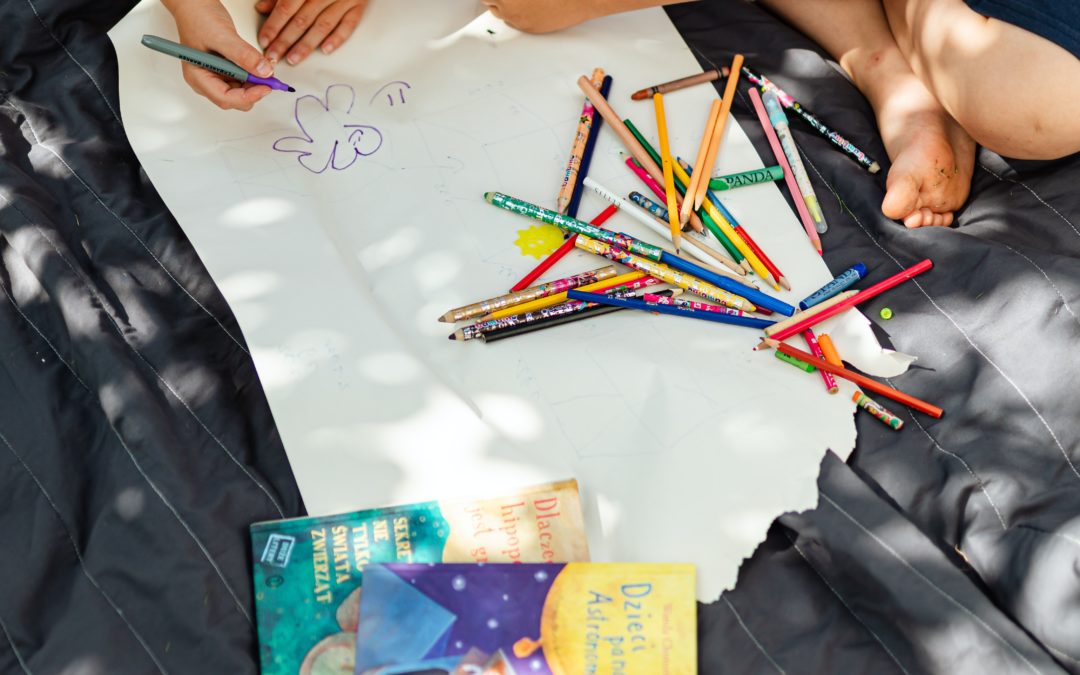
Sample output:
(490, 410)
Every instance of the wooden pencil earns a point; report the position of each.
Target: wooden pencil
(577, 148)
(859, 379)
(809, 313)
(718, 130)
(699, 162)
(669, 173)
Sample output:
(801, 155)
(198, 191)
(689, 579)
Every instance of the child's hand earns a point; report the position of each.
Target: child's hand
(295, 28)
(207, 26)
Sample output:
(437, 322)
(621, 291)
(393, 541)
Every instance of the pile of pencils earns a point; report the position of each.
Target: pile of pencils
(717, 270)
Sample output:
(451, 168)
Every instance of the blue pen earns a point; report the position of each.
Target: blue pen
(674, 310)
(842, 282)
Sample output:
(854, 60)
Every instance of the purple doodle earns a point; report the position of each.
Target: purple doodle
(334, 144)
(402, 85)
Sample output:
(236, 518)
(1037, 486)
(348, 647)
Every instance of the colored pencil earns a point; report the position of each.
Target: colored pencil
(701, 252)
(781, 159)
(674, 310)
(787, 142)
(857, 378)
(692, 304)
(699, 163)
(559, 298)
(815, 349)
(861, 296)
(809, 313)
(521, 329)
(664, 273)
(602, 106)
(660, 213)
(744, 178)
(801, 365)
(877, 410)
(814, 121)
(559, 253)
(577, 148)
(590, 147)
(669, 174)
(718, 130)
(841, 282)
(778, 277)
(681, 83)
(532, 293)
(475, 330)
(829, 350)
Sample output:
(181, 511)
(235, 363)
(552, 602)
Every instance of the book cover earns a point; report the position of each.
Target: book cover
(561, 619)
(308, 571)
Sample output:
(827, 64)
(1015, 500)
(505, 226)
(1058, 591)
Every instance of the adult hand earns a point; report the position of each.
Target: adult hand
(295, 28)
(542, 16)
(207, 26)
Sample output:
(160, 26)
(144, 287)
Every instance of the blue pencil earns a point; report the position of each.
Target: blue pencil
(730, 285)
(587, 153)
(675, 310)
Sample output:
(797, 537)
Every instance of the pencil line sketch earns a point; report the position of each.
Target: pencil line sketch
(327, 139)
(388, 89)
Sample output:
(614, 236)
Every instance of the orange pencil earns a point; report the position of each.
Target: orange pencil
(861, 380)
(699, 162)
(669, 173)
(718, 131)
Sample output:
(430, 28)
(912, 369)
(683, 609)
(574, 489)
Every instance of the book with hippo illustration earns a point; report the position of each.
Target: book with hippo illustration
(308, 571)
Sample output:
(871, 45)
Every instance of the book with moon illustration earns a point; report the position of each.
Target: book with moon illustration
(308, 571)
(561, 619)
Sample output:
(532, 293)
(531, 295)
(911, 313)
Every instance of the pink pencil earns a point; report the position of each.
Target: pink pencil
(656, 187)
(789, 176)
(692, 304)
(815, 349)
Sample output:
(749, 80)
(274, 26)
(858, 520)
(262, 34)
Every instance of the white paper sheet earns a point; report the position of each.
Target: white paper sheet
(337, 262)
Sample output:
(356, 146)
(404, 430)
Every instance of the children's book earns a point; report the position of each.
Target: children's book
(561, 619)
(308, 571)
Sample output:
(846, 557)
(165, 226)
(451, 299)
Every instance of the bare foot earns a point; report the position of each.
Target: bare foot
(932, 156)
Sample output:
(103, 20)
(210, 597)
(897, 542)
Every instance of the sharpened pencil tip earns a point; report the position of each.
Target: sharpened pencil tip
(451, 336)
(489, 197)
(292, 89)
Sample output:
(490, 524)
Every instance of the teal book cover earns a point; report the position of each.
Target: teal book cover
(308, 571)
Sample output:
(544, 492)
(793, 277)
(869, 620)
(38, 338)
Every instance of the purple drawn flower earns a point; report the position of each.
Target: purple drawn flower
(327, 140)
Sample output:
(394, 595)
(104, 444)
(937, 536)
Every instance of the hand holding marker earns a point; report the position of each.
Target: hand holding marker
(213, 63)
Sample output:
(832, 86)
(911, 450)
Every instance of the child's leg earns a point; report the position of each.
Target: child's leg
(1015, 92)
(932, 156)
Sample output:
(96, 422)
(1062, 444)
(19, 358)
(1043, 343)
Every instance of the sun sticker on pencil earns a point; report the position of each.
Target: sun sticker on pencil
(539, 241)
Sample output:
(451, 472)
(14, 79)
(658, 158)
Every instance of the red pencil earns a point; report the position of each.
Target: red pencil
(859, 379)
(877, 289)
(789, 176)
(567, 246)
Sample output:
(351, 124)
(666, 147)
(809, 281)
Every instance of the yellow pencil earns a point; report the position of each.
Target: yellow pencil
(560, 298)
(718, 133)
(699, 163)
(669, 176)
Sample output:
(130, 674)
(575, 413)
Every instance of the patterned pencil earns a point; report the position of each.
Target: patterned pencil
(532, 293)
(877, 410)
(577, 149)
(692, 304)
(474, 331)
(587, 155)
(814, 121)
(559, 298)
(550, 322)
(787, 142)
